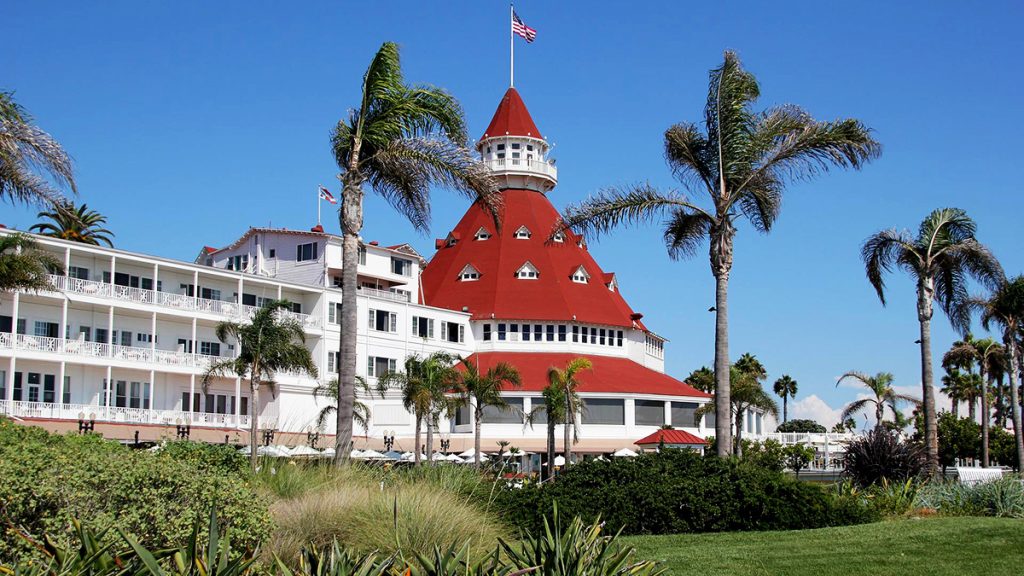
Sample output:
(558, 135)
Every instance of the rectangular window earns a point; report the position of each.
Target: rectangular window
(422, 327)
(378, 365)
(121, 394)
(452, 332)
(306, 252)
(143, 338)
(513, 414)
(362, 255)
(526, 332)
(561, 332)
(383, 321)
(135, 395)
(17, 386)
(606, 411)
(575, 333)
(602, 337)
(21, 326)
(49, 388)
(334, 312)
(551, 332)
(332, 362)
(619, 339)
(501, 332)
(209, 348)
(47, 329)
(85, 333)
(649, 412)
(537, 407)
(585, 337)
(78, 272)
(401, 266)
(33, 387)
(67, 390)
(101, 336)
(538, 332)
(487, 332)
(209, 293)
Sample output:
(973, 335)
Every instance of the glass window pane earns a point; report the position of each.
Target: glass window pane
(649, 412)
(604, 411)
(683, 414)
(511, 415)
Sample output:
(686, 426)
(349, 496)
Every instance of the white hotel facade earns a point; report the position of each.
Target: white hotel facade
(124, 338)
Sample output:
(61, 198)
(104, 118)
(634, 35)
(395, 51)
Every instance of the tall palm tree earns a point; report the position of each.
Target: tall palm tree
(269, 343)
(423, 386)
(401, 139)
(785, 388)
(329, 391)
(990, 360)
(702, 379)
(880, 386)
(76, 224)
(940, 258)
(483, 390)
(554, 412)
(1005, 308)
(566, 380)
(747, 394)
(32, 164)
(742, 162)
(23, 265)
(953, 385)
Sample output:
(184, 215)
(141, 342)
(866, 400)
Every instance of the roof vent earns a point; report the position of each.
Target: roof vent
(374, 243)
(635, 316)
(317, 228)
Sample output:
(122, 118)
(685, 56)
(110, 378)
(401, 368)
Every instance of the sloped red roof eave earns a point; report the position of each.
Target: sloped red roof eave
(671, 436)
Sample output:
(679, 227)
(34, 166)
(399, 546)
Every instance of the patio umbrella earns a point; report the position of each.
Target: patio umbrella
(393, 455)
(304, 451)
(438, 457)
(559, 460)
(624, 453)
(454, 458)
(370, 454)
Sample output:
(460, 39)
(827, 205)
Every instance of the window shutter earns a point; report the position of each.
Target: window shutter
(372, 314)
(392, 365)
(444, 330)
(462, 333)
(430, 328)
(369, 366)
(394, 322)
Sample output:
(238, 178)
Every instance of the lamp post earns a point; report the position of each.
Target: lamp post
(184, 428)
(389, 440)
(86, 426)
(446, 445)
(268, 437)
(312, 437)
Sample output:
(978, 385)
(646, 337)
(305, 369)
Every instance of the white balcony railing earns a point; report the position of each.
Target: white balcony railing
(385, 294)
(118, 414)
(141, 355)
(523, 166)
(167, 299)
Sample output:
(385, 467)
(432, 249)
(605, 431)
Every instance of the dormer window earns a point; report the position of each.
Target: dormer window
(558, 237)
(527, 272)
(469, 274)
(523, 233)
(452, 239)
(580, 276)
(482, 234)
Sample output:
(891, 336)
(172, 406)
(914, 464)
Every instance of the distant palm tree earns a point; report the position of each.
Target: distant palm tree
(329, 390)
(401, 139)
(76, 224)
(24, 266)
(554, 413)
(25, 152)
(953, 385)
(423, 386)
(702, 379)
(741, 161)
(990, 360)
(269, 343)
(880, 386)
(482, 390)
(785, 388)
(747, 394)
(940, 258)
(567, 382)
(1005, 308)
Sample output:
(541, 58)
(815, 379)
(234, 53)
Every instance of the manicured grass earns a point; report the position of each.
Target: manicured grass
(933, 547)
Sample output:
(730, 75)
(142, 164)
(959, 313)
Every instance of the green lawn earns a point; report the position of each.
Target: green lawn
(932, 547)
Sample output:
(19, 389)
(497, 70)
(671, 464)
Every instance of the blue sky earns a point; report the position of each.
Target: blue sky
(190, 121)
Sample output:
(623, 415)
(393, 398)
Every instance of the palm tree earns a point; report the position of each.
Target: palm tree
(554, 412)
(940, 259)
(953, 385)
(401, 140)
(483, 390)
(742, 162)
(990, 360)
(360, 411)
(567, 382)
(270, 343)
(76, 224)
(785, 388)
(1005, 308)
(23, 265)
(25, 152)
(702, 379)
(423, 386)
(747, 393)
(880, 386)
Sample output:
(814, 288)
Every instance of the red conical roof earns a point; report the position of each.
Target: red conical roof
(512, 118)
(552, 296)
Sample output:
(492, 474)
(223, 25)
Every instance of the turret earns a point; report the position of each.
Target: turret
(515, 150)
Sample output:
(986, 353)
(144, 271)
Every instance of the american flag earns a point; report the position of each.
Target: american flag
(325, 194)
(520, 28)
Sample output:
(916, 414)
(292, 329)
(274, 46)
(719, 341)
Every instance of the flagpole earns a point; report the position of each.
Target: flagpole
(511, 48)
(318, 206)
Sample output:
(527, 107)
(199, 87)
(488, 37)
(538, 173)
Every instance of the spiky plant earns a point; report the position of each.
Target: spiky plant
(566, 380)
(941, 257)
(32, 164)
(401, 140)
(785, 388)
(882, 394)
(269, 343)
(77, 224)
(741, 161)
(482, 389)
(23, 265)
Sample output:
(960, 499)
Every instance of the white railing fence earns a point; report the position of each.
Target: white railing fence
(118, 414)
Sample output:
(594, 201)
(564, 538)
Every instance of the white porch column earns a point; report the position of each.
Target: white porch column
(9, 394)
(67, 260)
(191, 398)
(152, 396)
(238, 401)
(110, 331)
(668, 415)
(194, 346)
(108, 390)
(59, 400)
(152, 332)
(195, 288)
(113, 270)
(64, 332)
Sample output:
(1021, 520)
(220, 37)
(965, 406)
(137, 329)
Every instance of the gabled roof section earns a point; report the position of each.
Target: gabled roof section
(672, 437)
(512, 118)
(468, 268)
(482, 234)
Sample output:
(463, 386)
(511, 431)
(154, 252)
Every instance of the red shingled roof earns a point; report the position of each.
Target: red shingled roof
(609, 374)
(551, 296)
(512, 118)
(672, 437)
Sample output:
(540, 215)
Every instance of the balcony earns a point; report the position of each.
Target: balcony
(385, 294)
(523, 166)
(119, 415)
(182, 302)
(100, 350)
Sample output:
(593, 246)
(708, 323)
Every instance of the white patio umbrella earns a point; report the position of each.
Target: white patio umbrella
(559, 460)
(393, 455)
(328, 452)
(273, 451)
(356, 453)
(409, 457)
(438, 457)
(624, 453)
(305, 451)
(371, 454)
(454, 458)
(468, 455)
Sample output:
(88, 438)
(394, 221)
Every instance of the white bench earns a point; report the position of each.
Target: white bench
(972, 475)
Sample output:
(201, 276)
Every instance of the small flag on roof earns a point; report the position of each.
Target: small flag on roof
(519, 27)
(325, 194)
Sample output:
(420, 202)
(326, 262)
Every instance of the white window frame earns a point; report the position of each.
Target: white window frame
(415, 327)
(392, 322)
(528, 272)
(482, 234)
(313, 252)
(444, 332)
(523, 233)
(580, 276)
(469, 274)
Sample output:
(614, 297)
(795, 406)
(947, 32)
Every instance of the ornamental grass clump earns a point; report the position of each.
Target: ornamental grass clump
(1002, 498)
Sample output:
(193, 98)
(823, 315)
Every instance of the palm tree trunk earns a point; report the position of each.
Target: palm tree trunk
(972, 412)
(430, 440)
(879, 413)
(738, 440)
(550, 465)
(785, 408)
(985, 416)
(956, 407)
(351, 225)
(477, 426)
(1009, 341)
(570, 419)
(254, 426)
(723, 408)
(416, 440)
(931, 437)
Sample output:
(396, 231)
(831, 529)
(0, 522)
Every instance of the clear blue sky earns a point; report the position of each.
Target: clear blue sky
(190, 121)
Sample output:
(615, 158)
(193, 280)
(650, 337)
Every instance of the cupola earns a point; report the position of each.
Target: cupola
(514, 149)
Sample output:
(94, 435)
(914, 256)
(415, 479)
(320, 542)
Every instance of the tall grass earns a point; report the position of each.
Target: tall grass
(375, 509)
(1003, 498)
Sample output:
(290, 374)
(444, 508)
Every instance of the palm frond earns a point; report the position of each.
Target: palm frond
(856, 406)
(26, 151)
(684, 232)
(614, 207)
(24, 266)
(881, 252)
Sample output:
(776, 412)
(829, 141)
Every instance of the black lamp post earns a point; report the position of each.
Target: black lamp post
(268, 437)
(86, 426)
(312, 437)
(389, 440)
(184, 429)
(446, 445)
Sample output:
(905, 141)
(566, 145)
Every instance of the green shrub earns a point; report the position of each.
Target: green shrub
(1003, 497)
(800, 425)
(769, 454)
(213, 457)
(677, 491)
(50, 479)
(882, 455)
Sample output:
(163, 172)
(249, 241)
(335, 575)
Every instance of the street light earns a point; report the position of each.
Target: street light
(86, 426)
(268, 437)
(312, 437)
(389, 440)
(184, 428)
